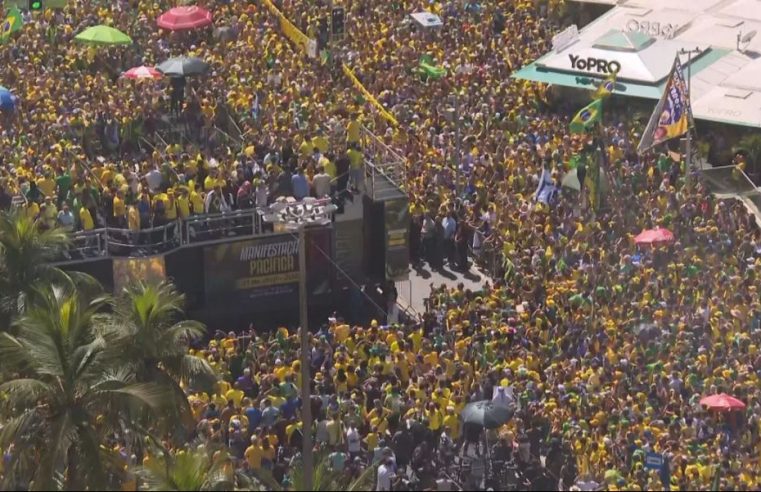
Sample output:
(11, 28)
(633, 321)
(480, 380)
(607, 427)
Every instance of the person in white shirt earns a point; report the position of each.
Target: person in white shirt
(353, 442)
(154, 178)
(386, 476)
(321, 183)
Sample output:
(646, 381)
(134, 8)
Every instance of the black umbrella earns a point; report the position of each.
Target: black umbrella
(182, 66)
(487, 414)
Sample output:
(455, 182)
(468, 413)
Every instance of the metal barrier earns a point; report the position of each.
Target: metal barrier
(194, 230)
(380, 159)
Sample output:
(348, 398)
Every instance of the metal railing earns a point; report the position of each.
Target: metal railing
(380, 159)
(194, 230)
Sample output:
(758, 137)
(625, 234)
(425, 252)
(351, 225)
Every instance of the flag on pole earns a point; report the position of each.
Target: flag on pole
(607, 86)
(672, 117)
(13, 23)
(587, 117)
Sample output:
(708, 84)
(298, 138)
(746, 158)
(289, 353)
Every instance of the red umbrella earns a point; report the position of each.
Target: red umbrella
(142, 73)
(181, 18)
(654, 236)
(722, 403)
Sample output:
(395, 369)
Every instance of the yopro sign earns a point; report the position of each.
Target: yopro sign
(591, 64)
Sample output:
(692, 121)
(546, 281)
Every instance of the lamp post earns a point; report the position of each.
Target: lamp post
(306, 378)
(293, 222)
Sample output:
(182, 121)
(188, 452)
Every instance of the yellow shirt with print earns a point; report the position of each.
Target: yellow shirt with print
(46, 186)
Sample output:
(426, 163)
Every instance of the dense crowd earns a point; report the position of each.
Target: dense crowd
(607, 345)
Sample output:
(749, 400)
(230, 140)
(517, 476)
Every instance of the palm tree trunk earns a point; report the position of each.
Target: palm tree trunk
(71, 478)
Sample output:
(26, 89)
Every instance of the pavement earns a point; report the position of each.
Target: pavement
(413, 292)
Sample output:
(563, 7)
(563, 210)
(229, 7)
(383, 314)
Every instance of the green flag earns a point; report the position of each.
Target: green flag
(587, 117)
(13, 23)
(429, 70)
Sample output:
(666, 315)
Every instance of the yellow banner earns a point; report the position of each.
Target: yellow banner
(303, 42)
(291, 32)
(369, 97)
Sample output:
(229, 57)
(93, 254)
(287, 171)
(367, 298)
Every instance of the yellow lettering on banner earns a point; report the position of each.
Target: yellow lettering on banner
(267, 266)
(266, 280)
(369, 97)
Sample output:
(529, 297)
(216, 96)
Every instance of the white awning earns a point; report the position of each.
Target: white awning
(427, 19)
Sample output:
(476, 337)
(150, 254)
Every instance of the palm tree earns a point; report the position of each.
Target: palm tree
(25, 256)
(65, 394)
(323, 479)
(751, 144)
(194, 470)
(145, 333)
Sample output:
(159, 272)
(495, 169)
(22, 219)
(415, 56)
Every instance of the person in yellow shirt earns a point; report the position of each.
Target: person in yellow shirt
(353, 130)
(235, 395)
(85, 219)
(183, 203)
(170, 205)
(196, 201)
(253, 454)
(321, 143)
(119, 209)
(47, 184)
(32, 209)
(133, 222)
(357, 168)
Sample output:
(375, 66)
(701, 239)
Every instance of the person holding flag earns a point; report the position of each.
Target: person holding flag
(12, 23)
(587, 117)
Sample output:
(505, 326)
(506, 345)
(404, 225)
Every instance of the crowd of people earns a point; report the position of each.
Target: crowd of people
(608, 346)
(87, 148)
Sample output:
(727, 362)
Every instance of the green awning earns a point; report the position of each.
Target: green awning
(536, 72)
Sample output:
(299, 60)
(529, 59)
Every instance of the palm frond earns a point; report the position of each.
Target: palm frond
(24, 392)
(183, 332)
(20, 425)
(152, 395)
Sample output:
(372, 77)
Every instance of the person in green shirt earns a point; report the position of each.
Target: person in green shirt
(63, 183)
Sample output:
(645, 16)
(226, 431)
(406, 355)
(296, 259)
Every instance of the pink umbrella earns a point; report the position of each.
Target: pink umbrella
(722, 403)
(655, 236)
(182, 18)
(142, 73)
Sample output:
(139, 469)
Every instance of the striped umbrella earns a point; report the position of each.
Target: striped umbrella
(142, 72)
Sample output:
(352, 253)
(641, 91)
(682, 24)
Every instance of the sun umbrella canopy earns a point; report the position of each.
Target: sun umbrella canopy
(183, 18)
(7, 100)
(722, 403)
(655, 236)
(183, 66)
(103, 35)
(487, 414)
(142, 72)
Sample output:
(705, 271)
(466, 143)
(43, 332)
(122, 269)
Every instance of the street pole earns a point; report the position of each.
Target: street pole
(458, 143)
(306, 398)
(688, 147)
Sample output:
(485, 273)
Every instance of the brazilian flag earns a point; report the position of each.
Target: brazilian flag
(12, 23)
(587, 117)
(607, 87)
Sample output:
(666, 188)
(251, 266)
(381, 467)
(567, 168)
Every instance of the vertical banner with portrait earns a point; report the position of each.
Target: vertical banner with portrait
(397, 221)
(672, 117)
(130, 270)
